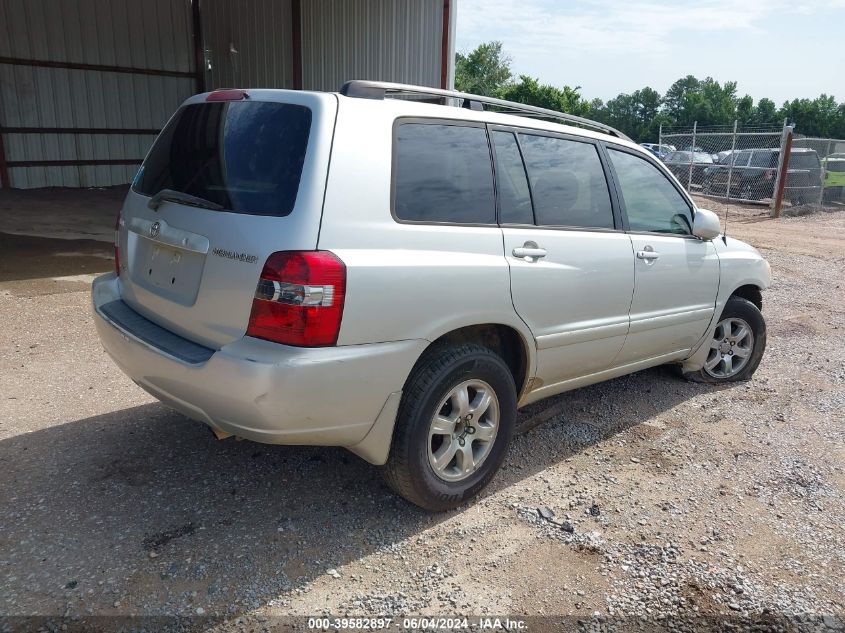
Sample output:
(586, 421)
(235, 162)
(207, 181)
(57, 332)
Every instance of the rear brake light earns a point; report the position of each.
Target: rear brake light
(117, 245)
(299, 299)
(227, 95)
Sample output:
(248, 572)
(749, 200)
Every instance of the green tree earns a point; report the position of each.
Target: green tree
(765, 113)
(484, 71)
(821, 116)
(745, 110)
(531, 92)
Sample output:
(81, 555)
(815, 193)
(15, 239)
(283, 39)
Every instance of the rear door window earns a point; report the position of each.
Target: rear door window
(511, 181)
(567, 182)
(764, 159)
(443, 173)
(246, 156)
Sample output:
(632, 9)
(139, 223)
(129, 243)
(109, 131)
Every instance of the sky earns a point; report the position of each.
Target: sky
(778, 49)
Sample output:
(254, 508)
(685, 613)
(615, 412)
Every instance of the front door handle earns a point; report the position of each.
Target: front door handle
(529, 251)
(648, 255)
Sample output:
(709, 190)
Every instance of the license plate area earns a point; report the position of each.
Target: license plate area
(169, 265)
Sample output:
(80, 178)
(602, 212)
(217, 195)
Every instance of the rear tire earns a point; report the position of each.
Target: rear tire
(737, 346)
(429, 399)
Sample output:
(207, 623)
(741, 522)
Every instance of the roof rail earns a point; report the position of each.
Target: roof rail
(363, 89)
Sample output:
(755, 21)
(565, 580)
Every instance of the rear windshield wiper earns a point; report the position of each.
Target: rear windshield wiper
(172, 195)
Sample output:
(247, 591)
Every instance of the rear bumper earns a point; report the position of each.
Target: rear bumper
(263, 391)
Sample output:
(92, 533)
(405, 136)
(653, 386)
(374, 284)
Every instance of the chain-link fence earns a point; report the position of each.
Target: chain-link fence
(745, 164)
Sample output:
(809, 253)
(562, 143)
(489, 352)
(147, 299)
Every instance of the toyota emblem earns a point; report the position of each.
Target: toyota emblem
(154, 229)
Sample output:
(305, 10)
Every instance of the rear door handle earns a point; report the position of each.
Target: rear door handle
(529, 251)
(647, 255)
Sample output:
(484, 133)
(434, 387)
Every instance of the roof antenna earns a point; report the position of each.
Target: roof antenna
(731, 160)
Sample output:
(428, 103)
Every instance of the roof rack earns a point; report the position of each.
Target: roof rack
(363, 89)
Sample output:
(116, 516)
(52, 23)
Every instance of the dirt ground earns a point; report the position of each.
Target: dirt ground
(669, 498)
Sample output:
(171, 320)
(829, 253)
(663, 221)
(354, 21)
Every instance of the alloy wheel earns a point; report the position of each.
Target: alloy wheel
(463, 430)
(730, 349)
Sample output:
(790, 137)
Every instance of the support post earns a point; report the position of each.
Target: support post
(296, 42)
(730, 172)
(783, 169)
(691, 156)
(444, 46)
(199, 50)
(660, 137)
(824, 171)
(5, 183)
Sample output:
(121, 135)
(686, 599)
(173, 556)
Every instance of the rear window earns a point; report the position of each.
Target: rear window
(443, 173)
(764, 159)
(246, 156)
(836, 165)
(804, 160)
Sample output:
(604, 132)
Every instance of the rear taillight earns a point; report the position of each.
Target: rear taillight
(117, 245)
(299, 299)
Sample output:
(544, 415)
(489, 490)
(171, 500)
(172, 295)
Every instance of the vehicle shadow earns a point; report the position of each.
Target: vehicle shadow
(142, 511)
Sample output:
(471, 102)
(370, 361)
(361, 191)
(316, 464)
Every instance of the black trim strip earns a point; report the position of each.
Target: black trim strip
(125, 318)
(41, 63)
(78, 130)
(74, 163)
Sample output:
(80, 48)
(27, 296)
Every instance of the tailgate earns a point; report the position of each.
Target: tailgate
(258, 166)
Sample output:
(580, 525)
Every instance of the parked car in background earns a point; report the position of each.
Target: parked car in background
(720, 157)
(834, 177)
(753, 175)
(398, 277)
(684, 163)
(661, 151)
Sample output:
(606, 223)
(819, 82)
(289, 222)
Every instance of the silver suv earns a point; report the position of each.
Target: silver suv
(399, 275)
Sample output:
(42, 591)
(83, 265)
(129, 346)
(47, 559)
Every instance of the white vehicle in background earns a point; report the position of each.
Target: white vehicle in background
(398, 277)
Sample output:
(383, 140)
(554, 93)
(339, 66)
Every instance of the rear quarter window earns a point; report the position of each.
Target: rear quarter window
(804, 160)
(443, 173)
(246, 156)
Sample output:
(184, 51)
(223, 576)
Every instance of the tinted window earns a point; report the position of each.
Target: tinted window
(567, 182)
(246, 156)
(804, 160)
(651, 201)
(742, 159)
(763, 159)
(443, 174)
(511, 182)
(836, 165)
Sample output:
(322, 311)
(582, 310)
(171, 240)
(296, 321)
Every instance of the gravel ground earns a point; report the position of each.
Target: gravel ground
(642, 500)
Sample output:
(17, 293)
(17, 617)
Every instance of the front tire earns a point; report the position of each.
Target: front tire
(737, 346)
(453, 428)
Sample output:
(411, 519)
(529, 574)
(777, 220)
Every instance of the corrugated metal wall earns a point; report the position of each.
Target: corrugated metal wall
(248, 43)
(390, 40)
(153, 34)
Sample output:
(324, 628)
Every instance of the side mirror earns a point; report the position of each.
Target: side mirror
(706, 224)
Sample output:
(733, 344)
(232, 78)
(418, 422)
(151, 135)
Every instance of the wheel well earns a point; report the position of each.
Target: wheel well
(501, 339)
(751, 293)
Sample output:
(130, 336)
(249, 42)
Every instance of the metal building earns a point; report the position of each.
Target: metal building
(85, 85)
